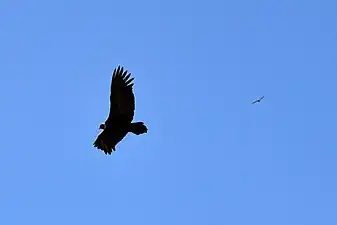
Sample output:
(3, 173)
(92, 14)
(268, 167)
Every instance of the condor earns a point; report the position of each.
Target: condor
(122, 107)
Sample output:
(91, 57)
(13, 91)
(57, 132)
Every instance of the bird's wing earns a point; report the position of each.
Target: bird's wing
(254, 101)
(261, 98)
(107, 142)
(104, 143)
(122, 99)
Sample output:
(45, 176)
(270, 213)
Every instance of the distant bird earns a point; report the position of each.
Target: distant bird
(122, 107)
(259, 100)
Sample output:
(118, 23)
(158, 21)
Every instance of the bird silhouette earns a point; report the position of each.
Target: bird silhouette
(258, 100)
(122, 106)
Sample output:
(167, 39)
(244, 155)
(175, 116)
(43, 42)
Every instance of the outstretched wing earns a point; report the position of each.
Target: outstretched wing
(107, 142)
(259, 100)
(122, 99)
(103, 143)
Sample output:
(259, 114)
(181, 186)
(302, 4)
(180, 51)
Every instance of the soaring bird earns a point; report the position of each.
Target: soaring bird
(259, 100)
(122, 106)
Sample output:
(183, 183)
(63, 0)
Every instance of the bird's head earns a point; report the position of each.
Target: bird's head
(102, 126)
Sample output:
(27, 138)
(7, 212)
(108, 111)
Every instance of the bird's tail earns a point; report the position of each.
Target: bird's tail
(138, 128)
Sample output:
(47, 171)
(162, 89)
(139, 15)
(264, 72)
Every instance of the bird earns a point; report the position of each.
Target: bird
(122, 109)
(259, 100)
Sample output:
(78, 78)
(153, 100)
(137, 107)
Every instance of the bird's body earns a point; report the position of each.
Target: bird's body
(122, 106)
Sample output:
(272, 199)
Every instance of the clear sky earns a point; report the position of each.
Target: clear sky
(210, 157)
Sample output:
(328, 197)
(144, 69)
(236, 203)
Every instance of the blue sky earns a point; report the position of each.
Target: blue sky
(210, 157)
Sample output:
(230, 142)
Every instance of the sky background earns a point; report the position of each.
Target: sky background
(210, 157)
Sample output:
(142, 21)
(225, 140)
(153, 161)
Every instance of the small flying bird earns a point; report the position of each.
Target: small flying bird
(259, 100)
(122, 106)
